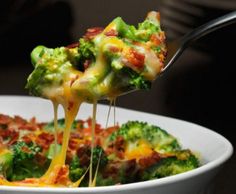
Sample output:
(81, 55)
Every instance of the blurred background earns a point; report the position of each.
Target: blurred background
(198, 88)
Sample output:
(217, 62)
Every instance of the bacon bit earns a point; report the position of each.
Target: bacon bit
(19, 120)
(28, 126)
(60, 138)
(70, 105)
(40, 158)
(158, 39)
(130, 167)
(158, 15)
(73, 45)
(44, 140)
(5, 133)
(86, 64)
(14, 137)
(113, 168)
(135, 58)
(76, 135)
(28, 181)
(92, 32)
(146, 162)
(73, 144)
(24, 125)
(98, 142)
(117, 147)
(114, 49)
(25, 149)
(27, 138)
(87, 131)
(161, 57)
(9, 133)
(155, 40)
(4, 119)
(111, 32)
(69, 155)
(63, 176)
(106, 132)
(83, 152)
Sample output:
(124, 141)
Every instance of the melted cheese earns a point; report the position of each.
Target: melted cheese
(92, 143)
(141, 149)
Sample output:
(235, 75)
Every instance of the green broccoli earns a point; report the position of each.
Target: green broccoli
(25, 161)
(86, 51)
(76, 171)
(182, 161)
(99, 156)
(142, 33)
(118, 172)
(6, 162)
(50, 65)
(159, 139)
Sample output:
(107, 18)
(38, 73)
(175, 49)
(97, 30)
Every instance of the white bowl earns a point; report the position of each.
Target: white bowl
(214, 149)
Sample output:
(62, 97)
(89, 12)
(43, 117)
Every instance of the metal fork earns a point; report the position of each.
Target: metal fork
(176, 48)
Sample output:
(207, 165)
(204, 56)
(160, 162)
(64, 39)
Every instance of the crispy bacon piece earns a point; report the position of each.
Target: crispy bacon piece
(92, 32)
(4, 119)
(44, 140)
(63, 176)
(73, 45)
(13, 137)
(10, 134)
(135, 58)
(117, 147)
(83, 152)
(111, 32)
(106, 132)
(88, 130)
(146, 162)
(128, 167)
(19, 120)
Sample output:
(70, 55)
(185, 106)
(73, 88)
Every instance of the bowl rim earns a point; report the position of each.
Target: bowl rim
(145, 184)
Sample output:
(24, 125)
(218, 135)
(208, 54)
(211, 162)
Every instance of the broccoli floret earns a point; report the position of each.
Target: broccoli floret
(101, 181)
(118, 172)
(76, 171)
(142, 33)
(136, 80)
(77, 168)
(159, 139)
(99, 154)
(25, 162)
(50, 67)
(6, 162)
(182, 161)
(86, 51)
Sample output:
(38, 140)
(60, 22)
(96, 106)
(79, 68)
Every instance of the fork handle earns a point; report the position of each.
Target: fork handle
(208, 27)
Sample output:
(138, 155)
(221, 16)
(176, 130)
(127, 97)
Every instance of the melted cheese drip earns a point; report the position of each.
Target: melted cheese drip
(55, 108)
(108, 114)
(59, 159)
(92, 143)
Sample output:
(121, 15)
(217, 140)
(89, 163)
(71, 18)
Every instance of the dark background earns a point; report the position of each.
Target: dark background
(198, 88)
